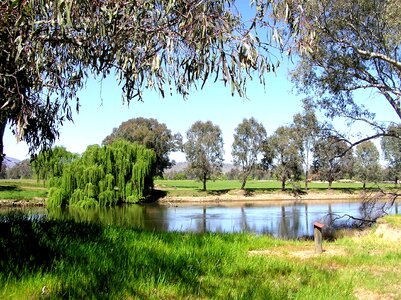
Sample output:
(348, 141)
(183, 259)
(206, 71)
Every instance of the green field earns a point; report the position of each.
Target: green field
(62, 259)
(194, 188)
(21, 189)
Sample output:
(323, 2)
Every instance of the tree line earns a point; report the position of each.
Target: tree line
(305, 150)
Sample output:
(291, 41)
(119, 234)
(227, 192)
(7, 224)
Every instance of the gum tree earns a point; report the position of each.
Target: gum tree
(204, 150)
(354, 46)
(282, 151)
(333, 159)
(391, 148)
(249, 138)
(367, 165)
(307, 127)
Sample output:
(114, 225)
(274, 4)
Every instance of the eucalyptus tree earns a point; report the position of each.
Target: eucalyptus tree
(104, 176)
(352, 46)
(282, 151)
(391, 148)
(49, 48)
(308, 129)
(151, 134)
(249, 138)
(333, 158)
(367, 163)
(204, 150)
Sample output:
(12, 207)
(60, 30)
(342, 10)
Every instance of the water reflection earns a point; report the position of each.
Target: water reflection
(284, 221)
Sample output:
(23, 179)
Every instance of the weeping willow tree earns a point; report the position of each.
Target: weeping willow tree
(50, 163)
(105, 176)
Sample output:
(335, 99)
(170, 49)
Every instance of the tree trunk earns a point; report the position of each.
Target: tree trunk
(3, 123)
(306, 179)
(243, 182)
(283, 184)
(204, 182)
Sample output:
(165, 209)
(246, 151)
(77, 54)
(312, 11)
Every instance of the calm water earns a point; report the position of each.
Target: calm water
(283, 221)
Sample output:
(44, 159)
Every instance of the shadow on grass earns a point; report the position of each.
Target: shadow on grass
(9, 188)
(87, 259)
(216, 192)
(155, 196)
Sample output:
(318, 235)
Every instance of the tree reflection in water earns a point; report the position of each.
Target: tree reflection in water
(288, 221)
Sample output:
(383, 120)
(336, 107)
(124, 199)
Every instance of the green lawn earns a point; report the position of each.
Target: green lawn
(63, 259)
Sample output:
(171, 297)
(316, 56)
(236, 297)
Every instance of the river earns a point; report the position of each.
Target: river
(283, 220)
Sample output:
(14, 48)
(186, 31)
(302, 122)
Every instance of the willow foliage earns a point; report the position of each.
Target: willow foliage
(104, 176)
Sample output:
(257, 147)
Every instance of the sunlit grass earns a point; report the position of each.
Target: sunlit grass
(66, 259)
(194, 188)
(21, 189)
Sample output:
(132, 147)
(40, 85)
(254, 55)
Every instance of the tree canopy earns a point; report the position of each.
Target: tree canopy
(249, 138)
(104, 176)
(367, 165)
(50, 163)
(204, 150)
(151, 134)
(282, 151)
(391, 148)
(354, 46)
(48, 48)
(332, 159)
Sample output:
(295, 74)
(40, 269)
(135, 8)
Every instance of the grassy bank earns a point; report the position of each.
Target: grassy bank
(64, 259)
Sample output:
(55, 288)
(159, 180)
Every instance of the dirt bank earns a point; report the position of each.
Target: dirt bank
(242, 196)
(23, 202)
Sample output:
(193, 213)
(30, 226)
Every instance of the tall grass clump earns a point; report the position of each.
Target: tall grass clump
(103, 176)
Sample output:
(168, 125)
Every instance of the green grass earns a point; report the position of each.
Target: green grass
(65, 259)
(194, 188)
(21, 189)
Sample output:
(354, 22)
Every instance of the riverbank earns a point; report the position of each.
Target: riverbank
(240, 196)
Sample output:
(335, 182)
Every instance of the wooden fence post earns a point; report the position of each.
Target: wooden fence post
(317, 233)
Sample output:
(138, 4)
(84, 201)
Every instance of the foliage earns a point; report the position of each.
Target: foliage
(282, 152)
(103, 176)
(48, 49)
(354, 46)
(204, 150)
(367, 166)
(308, 129)
(151, 134)
(50, 163)
(249, 137)
(333, 158)
(391, 147)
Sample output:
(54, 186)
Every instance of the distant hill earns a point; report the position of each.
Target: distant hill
(10, 162)
(181, 166)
